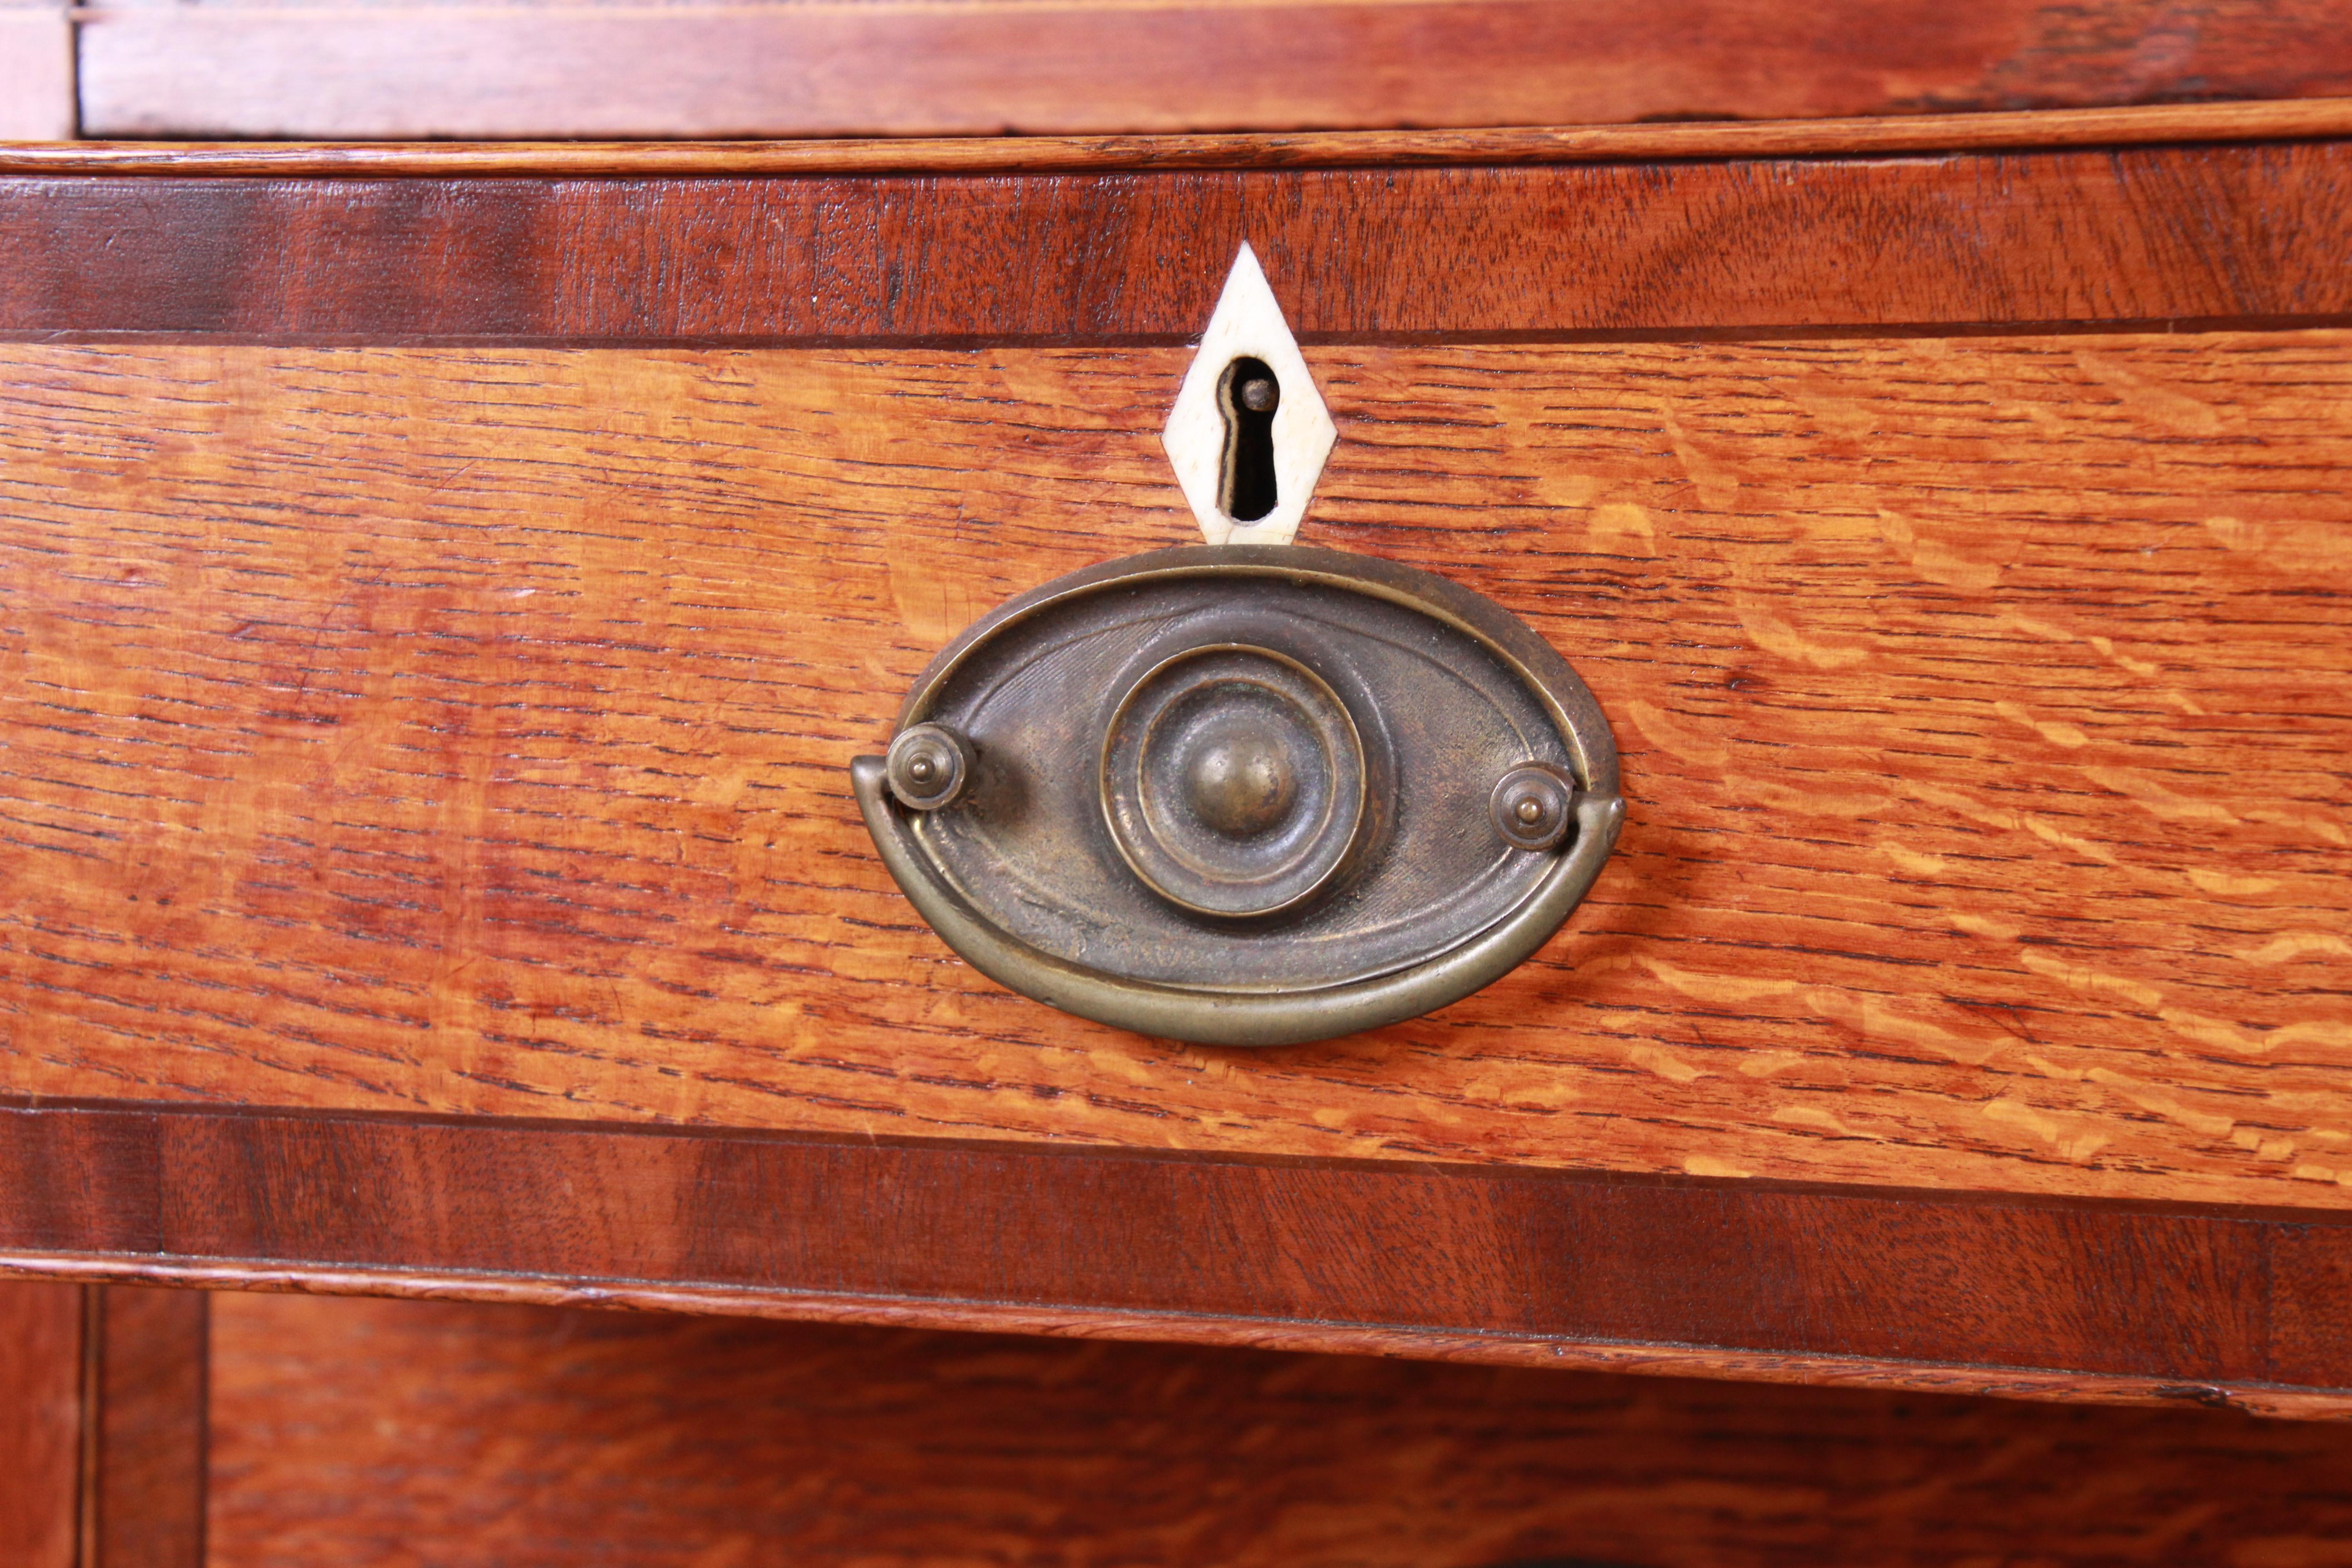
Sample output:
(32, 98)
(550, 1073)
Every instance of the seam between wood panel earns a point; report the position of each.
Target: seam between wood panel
(90, 1456)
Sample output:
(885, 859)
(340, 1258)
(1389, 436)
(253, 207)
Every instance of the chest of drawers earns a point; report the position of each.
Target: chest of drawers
(441, 593)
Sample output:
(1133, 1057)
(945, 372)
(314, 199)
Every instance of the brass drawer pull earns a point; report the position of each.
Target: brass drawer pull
(1245, 794)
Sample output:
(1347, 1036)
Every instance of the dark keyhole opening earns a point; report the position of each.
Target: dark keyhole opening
(1249, 395)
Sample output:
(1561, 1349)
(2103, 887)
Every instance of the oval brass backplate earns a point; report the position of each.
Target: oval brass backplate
(1246, 794)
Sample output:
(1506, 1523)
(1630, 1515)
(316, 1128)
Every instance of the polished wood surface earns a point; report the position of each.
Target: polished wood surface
(884, 68)
(144, 1423)
(350, 1434)
(2047, 1299)
(2132, 126)
(468, 730)
(102, 1398)
(2160, 237)
(435, 616)
(40, 1423)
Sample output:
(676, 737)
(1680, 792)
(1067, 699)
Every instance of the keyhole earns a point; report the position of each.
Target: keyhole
(1248, 393)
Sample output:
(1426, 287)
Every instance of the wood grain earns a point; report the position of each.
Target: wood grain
(987, 69)
(40, 1432)
(144, 1416)
(2131, 126)
(102, 1439)
(468, 732)
(355, 1432)
(2244, 234)
(2033, 1299)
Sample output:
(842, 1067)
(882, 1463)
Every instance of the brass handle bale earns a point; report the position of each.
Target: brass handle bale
(1246, 794)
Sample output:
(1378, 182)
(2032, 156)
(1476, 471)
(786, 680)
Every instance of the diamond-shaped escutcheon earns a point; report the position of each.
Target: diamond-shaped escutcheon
(1249, 432)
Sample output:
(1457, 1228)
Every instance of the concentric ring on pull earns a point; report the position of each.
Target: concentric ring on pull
(1233, 781)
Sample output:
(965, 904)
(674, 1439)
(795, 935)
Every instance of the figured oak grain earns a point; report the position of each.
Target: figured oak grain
(359, 1432)
(468, 730)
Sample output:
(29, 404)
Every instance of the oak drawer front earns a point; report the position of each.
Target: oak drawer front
(427, 687)
(468, 730)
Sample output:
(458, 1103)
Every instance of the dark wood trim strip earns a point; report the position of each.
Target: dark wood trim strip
(1232, 1332)
(1957, 1293)
(144, 1404)
(2022, 130)
(2161, 235)
(40, 1422)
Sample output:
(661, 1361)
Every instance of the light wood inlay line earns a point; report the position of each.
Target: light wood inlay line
(2137, 125)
